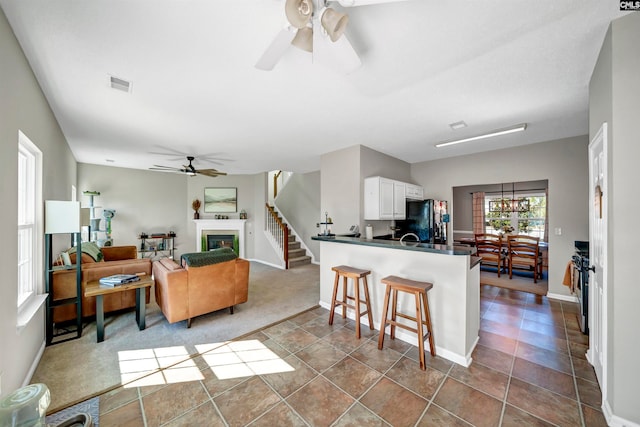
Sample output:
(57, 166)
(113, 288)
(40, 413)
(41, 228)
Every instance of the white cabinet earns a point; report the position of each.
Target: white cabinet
(414, 192)
(384, 199)
(399, 200)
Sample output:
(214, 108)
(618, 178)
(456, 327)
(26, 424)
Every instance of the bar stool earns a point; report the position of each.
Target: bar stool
(356, 274)
(419, 290)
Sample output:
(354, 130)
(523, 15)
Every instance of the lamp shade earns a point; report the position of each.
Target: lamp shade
(61, 217)
(298, 12)
(304, 39)
(334, 23)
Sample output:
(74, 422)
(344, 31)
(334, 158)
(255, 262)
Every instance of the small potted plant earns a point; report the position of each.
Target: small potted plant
(196, 207)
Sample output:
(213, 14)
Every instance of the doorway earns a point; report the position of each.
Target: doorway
(598, 223)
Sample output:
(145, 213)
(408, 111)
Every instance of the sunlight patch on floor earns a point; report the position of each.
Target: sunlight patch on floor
(235, 359)
(168, 365)
(164, 365)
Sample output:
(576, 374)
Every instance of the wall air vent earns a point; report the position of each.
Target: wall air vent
(119, 84)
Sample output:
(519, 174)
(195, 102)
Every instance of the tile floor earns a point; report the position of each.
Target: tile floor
(529, 368)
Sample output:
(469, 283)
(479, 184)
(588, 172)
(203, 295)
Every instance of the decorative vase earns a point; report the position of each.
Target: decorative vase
(196, 215)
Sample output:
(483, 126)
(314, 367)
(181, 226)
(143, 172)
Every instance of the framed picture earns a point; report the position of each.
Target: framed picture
(220, 199)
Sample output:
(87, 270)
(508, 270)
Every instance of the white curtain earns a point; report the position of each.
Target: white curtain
(478, 212)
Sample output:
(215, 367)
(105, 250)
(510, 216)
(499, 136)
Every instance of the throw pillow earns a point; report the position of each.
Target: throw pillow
(90, 249)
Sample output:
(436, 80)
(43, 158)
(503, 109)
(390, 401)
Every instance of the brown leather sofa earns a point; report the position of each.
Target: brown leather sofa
(116, 260)
(186, 291)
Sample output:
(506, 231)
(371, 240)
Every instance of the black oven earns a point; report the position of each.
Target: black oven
(581, 279)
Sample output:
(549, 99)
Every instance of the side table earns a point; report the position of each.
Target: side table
(95, 289)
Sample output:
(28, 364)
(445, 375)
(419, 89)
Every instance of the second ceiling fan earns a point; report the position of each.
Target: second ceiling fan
(189, 169)
(319, 29)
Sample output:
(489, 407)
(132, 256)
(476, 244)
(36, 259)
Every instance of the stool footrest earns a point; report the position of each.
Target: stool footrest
(353, 307)
(406, 316)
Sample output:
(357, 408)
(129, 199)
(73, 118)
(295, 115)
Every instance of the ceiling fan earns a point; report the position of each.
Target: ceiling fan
(189, 169)
(319, 29)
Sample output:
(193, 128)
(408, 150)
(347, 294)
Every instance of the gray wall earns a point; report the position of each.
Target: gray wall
(342, 188)
(562, 162)
(340, 191)
(614, 98)
(23, 107)
(144, 201)
(159, 202)
(299, 203)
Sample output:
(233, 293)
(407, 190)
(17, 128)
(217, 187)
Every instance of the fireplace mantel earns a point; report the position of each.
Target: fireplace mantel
(204, 225)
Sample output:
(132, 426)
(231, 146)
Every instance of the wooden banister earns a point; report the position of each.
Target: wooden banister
(279, 231)
(275, 183)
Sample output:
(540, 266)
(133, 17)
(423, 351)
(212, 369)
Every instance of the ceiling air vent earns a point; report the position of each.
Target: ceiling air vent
(119, 84)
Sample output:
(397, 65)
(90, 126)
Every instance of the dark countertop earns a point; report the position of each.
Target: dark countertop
(394, 244)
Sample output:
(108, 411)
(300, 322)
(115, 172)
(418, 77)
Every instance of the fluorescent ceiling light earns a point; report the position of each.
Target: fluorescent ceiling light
(512, 129)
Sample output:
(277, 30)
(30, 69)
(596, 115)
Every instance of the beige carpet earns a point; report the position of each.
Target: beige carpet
(78, 369)
(518, 283)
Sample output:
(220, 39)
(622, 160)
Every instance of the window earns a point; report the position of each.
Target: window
(29, 221)
(531, 222)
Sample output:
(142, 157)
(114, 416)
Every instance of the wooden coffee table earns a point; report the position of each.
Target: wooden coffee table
(95, 289)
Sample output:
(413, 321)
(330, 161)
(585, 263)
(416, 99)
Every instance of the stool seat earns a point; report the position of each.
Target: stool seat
(395, 284)
(407, 285)
(347, 272)
(350, 272)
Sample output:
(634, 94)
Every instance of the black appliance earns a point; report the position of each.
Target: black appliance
(427, 219)
(580, 261)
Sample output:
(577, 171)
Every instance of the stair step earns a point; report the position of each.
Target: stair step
(292, 238)
(303, 260)
(296, 253)
(293, 245)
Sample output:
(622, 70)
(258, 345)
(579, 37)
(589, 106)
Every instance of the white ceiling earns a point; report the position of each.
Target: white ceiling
(426, 64)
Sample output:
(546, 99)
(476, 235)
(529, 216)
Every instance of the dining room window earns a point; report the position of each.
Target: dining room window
(530, 222)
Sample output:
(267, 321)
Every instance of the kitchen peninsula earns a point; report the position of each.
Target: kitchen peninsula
(454, 301)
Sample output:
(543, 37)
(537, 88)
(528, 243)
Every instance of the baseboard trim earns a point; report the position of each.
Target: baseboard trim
(614, 420)
(267, 263)
(568, 298)
(34, 365)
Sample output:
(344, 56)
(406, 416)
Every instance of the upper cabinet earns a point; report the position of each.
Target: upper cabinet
(414, 192)
(385, 198)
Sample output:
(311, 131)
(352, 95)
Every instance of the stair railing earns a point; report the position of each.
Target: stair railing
(275, 183)
(279, 231)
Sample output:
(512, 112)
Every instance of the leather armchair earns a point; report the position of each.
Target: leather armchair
(184, 292)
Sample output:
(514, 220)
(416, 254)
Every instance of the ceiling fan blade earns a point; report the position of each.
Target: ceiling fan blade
(276, 49)
(339, 55)
(210, 172)
(164, 168)
(171, 170)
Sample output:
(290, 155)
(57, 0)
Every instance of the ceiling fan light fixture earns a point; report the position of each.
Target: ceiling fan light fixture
(304, 39)
(333, 22)
(299, 12)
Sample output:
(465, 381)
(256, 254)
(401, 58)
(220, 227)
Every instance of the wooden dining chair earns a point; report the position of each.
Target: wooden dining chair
(489, 248)
(524, 251)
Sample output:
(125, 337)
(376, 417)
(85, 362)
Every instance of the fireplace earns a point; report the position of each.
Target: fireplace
(215, 241)
(217, 227)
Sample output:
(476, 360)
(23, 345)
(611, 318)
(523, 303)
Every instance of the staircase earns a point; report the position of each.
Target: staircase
(297, 255)
(293, 254)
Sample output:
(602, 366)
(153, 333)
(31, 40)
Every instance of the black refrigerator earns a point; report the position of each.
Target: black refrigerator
(427, 219)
